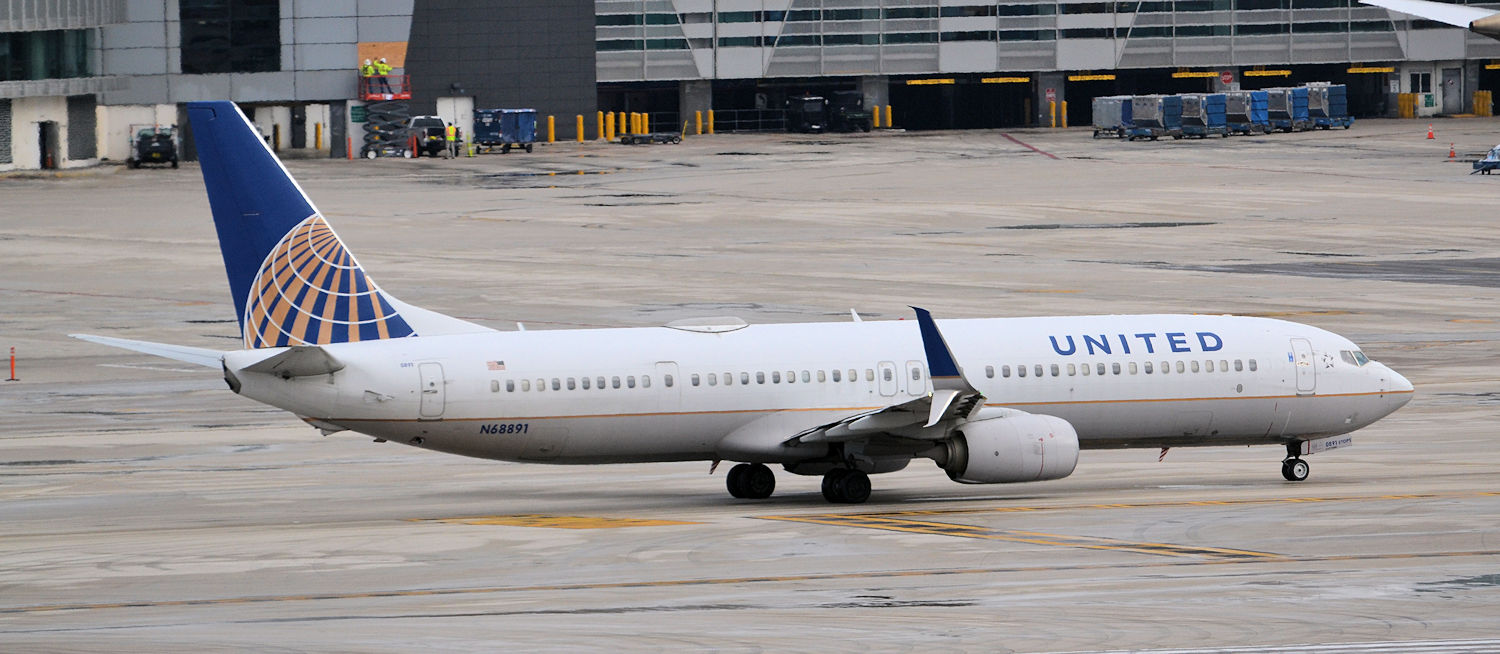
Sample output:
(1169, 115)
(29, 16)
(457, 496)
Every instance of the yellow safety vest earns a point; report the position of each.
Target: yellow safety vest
(382, 68)
(367, 70)
(452, 133)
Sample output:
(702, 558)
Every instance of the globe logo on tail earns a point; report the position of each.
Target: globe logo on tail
(311, 291)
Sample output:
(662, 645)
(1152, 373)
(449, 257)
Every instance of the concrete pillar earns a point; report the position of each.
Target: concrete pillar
(1471, 84)
(1040, 108)
(877, 91)
(694, 95)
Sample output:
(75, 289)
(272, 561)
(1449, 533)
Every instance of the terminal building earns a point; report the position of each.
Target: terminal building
(78, 77)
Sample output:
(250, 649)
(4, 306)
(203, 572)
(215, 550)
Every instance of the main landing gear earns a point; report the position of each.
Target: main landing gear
(846, 486)
(1293, 468)
(751, 481)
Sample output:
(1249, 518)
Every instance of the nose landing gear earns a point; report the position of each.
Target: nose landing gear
(1293, 468)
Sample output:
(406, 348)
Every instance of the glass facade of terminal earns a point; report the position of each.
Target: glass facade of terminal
(50, 54)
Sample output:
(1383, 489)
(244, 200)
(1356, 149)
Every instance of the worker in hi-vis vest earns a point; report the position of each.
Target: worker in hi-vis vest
(451, 134)
(382, 71)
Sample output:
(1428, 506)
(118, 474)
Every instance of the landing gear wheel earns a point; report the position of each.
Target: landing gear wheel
(845, 486)
(736, 482)
(1294, 469)
(751, 481)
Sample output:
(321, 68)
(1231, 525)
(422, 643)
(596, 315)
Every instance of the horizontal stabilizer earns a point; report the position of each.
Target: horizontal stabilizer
(298, 361)
(1442, 12)
(195, 355)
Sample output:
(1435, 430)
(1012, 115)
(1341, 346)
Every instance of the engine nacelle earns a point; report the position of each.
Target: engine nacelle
(1016, 447)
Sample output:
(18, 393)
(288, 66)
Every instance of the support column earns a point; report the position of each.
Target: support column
(877, 91)
(693, 95)
(1040, 108)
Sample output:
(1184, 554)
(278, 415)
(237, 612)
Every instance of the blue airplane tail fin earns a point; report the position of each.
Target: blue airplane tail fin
(293, 281)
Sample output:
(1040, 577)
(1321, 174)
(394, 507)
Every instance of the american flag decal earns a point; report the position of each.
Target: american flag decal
(495, 365)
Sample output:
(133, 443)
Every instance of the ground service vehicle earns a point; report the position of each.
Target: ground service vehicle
(152, 144)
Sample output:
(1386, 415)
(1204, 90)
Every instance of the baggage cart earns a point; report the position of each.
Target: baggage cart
(1245, 112)
(1203, 114)
(1111, 116)
(1328, 105)
(1155, 116)
(505, 129)
(1287, 108)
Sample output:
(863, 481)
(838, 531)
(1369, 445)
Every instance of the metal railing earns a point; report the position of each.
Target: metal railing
(749, 120)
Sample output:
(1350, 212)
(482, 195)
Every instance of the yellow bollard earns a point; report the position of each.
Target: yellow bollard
(1065, 114)
(890, 118)
(698, 117)
(621, 129)
(580, 128)
(710, 121)
(609, 126)
(551, 130)
(599, 127)
(875, 116)
(635, 123)
(1052, 113)
(318, 136)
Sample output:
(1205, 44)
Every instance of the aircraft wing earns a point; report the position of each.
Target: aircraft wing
(1473, 18)
(952, 402)
(195, 355)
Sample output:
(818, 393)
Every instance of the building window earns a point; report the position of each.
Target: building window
(1421, 83)
(49, 54)
(234, 36)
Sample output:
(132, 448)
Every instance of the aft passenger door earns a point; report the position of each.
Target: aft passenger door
(1307, 373)
(431, 390)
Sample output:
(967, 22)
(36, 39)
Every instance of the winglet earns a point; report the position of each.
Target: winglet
(939, 358)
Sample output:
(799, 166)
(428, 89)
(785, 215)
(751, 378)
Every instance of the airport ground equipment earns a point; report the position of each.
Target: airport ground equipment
(505, 128)
(152, 144)
(428, 134)
(807, 114)
(1489, 163)
(385, 130)
(1155, 116)
(1246, 112)
(654, 137)
(1287, 108)
(846, 112)
(1328, 105)
(1111, 116)
(1203, 114)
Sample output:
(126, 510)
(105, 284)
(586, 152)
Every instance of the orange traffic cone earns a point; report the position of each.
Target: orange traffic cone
(1429, 131)
(1451, 152)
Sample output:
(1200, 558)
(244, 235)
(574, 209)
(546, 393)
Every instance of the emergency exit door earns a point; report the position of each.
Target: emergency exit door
(431, 390)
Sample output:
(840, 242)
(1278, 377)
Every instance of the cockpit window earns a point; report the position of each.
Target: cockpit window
(1354, 357)
(1361, 358)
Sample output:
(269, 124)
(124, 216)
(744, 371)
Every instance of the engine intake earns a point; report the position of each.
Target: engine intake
(1013, 448)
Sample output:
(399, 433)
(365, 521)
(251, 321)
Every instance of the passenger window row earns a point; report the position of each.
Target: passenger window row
(577, 383)
(778, 377)
(1117, 368)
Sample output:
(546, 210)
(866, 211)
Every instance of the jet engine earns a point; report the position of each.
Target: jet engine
(1015, 447)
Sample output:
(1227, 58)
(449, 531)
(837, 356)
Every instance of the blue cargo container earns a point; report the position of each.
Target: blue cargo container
(1288, 109)
(1245, 112)
(1204, 114)
(1155, 116)
(505, 128)
(1328, 105)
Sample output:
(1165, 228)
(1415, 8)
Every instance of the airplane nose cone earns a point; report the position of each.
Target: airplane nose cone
(1400, 389)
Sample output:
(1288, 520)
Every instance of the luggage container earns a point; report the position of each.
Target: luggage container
(1245, 112)
(1203, 114)
(1111, 116)
(1155, 116)
(1328, 105)
(1288, 109)
(506, 128)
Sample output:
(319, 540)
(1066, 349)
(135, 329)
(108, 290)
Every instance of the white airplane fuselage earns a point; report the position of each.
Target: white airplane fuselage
(666, 394)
